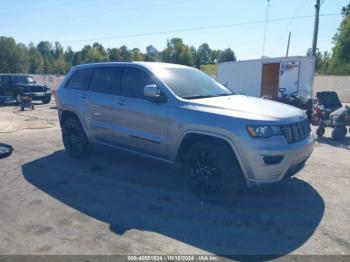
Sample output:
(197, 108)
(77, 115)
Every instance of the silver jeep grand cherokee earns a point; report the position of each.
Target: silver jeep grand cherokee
(180, 115)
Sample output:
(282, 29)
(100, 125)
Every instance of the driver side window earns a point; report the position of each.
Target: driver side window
(133, 83)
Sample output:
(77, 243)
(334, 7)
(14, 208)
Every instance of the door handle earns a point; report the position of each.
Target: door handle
(82, 96)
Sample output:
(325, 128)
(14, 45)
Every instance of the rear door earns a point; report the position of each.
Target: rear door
(145, 123)
(103, 109)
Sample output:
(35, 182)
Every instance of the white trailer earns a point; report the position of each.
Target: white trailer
(264, 77)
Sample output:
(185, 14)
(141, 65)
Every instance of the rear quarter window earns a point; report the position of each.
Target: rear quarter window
(79, 80)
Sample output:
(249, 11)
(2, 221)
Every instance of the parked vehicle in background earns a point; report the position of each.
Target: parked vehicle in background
(17, 85)
(178, 114)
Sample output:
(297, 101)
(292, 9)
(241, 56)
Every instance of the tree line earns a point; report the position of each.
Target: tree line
(53, 58)
(337, 62)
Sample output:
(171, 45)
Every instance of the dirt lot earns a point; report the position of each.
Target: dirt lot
(116, 203)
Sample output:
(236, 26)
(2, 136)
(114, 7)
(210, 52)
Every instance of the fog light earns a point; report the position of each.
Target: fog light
(272, 160)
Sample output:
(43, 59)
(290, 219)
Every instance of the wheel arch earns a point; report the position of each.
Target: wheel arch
(192, 137)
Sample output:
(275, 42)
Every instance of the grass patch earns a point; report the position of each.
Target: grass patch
(209, 69)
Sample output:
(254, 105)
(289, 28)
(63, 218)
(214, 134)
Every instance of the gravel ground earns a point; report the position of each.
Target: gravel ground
(117, 203)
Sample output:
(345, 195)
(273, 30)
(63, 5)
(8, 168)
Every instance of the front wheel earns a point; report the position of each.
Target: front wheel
(74, 138)
(213, 171)
(46, 100)
(339, 133)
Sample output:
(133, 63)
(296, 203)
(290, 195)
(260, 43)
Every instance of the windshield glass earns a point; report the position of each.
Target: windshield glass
(189, 83)
(22, 79)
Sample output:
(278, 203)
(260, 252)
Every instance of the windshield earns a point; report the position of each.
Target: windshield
(189, 83)
(22, 79)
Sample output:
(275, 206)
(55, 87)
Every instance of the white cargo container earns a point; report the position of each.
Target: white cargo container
(264, 77)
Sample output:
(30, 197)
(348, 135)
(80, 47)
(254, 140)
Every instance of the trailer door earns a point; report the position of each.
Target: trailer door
(270, 79)
(289, 76)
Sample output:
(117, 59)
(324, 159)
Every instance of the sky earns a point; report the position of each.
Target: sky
(234, 24)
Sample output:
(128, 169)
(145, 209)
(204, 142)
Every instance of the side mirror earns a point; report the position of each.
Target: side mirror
(152, 92)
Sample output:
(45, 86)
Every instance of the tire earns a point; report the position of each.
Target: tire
(74, 138)
(46, 100)
(320, 132)
(22, 108)
(18, 98)
(339, 133)
(213, 172)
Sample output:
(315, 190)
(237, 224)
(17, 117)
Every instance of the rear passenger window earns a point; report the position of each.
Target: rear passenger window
(105, 80)
(80, 79)
(133, 83)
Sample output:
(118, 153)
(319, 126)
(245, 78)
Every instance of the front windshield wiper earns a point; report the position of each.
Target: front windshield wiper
(225, 94)
(197, 97)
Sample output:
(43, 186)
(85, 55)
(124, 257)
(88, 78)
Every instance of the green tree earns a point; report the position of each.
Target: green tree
(152, 54)
(36, 63)
(340, 61)
(136, 55)
(178, 53)
(13, 57)
(204, 54)
(227, 56)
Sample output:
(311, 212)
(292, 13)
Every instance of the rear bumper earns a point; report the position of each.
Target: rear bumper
(258, 172)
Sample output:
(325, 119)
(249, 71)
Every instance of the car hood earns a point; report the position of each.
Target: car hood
(28, 85)
(249, 108)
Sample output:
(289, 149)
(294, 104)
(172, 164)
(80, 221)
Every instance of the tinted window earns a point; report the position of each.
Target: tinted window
(133, 82)
(80, 79)
(105, 80)
(22, 79)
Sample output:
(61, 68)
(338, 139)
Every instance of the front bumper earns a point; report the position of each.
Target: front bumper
(40, 95)
(258, 172)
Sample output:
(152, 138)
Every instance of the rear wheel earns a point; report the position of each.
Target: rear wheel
(213, 171)
(339, 132)
(320, 132)
(74, 138)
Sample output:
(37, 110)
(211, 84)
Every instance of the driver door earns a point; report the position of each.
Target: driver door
(145, 122)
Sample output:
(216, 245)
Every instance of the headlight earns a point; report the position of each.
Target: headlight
(264, 131)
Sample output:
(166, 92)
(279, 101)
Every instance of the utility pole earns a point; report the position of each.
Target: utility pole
(317, 19)
(287, 53)
(265, 30)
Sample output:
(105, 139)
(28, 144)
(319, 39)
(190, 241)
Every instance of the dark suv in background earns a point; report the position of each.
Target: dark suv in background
(16, 85)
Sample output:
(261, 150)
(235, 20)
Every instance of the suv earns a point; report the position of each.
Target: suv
(180, 115)
(16, 85)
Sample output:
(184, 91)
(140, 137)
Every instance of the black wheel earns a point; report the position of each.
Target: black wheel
(32, 107)
(22, 108)
(74, 138)
(46, 100)
(213, 171)
(339, 132)
(320, 132)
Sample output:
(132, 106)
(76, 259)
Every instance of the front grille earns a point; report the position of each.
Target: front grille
(36, 89)
(296, 132)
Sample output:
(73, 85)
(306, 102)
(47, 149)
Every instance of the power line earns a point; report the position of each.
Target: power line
(98, 13)
(302, 3)
(192, 29)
